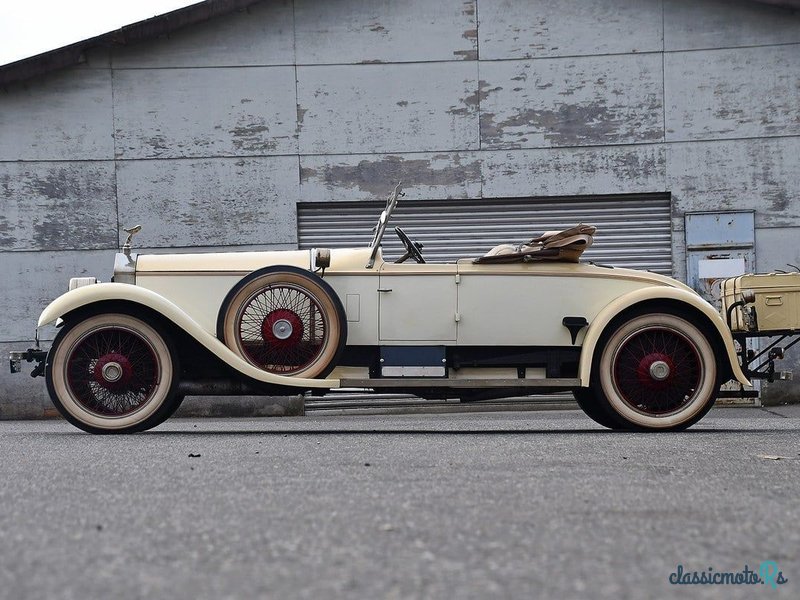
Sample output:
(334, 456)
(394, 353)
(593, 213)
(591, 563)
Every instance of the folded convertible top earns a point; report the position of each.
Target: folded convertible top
(566, 245)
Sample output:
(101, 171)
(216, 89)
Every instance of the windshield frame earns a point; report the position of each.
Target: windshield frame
(383, 221)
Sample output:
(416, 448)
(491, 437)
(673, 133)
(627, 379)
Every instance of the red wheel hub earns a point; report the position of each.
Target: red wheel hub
(282, 327)
(113, 371)
(655, 370)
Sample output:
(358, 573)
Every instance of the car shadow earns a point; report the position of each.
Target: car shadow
(448, 432)
(199, 430)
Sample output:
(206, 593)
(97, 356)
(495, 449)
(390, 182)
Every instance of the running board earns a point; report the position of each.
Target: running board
(440, 382)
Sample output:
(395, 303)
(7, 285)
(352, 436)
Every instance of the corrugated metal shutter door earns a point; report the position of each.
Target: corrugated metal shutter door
(633, 231)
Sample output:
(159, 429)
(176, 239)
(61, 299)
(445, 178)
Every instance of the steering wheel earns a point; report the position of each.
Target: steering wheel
(413, 249)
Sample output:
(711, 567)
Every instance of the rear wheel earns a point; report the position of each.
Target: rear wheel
(112, 373)
(589, 403)
(657, 371)
(286, 321)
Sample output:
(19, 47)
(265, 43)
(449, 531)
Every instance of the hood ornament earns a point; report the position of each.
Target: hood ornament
(126, 247)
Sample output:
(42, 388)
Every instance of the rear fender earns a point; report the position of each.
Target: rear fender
(104, 292)
(693, 302)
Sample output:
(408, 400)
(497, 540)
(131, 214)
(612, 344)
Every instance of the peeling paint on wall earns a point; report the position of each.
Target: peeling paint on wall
(210, 202)
(384, 31)
(759, 174)
(436, 175)
(547, 28)
(373, 176)
(48, 206)
(572, 102)
(172, 113)
(574, 171)
(723, 94)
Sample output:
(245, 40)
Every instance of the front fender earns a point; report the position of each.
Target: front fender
(102, 292)
(628, 300)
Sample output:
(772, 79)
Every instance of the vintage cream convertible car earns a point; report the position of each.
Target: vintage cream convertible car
(638, 350)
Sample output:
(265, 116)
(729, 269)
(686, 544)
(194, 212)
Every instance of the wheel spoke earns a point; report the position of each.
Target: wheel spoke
(131, 355)
(281, 328)
(645, 386)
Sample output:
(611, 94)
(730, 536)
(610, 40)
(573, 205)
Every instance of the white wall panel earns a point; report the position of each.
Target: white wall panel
(761, 175)
(388, 108)
(65, 115)
(693, 25)
(262, 34)
(170, 113)
(539, 28)
(58, 205)
(230, 201)
(40, 277)
(724, 94)
(575, 101)
(574, 171)
(369, 31)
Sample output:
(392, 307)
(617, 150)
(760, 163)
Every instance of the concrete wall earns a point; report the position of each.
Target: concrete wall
(209, 137)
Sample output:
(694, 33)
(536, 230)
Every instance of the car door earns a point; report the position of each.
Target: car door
(417, 303)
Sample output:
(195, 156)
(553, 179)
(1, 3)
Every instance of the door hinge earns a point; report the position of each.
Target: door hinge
(458, 278)
(458, 316)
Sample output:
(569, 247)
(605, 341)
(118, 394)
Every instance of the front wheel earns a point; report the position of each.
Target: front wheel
(656, 371)
(112, 373)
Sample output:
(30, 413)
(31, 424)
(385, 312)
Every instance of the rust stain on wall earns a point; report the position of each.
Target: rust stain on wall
(472, 102)
(252, 137)
(56, 185)
(566, 125)
(466, 54)
(57, 207)
(6, 239)
(372, 176)
(5, 182)
(301, 115)
(157, 142)
(639, 166)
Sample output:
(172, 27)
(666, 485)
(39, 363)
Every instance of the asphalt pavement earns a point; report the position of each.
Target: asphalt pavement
(512, 505)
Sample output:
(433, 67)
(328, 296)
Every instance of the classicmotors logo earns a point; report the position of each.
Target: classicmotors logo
(768, 573)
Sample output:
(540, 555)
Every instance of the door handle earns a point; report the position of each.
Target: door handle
(384, 290)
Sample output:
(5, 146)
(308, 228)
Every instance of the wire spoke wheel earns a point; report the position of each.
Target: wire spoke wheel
(285, 321)
(111, 372)
(282, 328)
(658, 371)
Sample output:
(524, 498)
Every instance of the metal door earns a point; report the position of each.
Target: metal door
(633, 230)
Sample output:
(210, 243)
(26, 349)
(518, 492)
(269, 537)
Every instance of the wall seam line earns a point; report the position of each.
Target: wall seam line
(114, 138)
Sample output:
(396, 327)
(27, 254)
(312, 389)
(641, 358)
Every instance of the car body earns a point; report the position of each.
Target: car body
(638, 350)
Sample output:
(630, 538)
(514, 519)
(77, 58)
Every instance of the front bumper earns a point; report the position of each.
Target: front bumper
(36, 355)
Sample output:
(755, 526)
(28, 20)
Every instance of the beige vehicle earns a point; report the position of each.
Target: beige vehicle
(638, 350)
